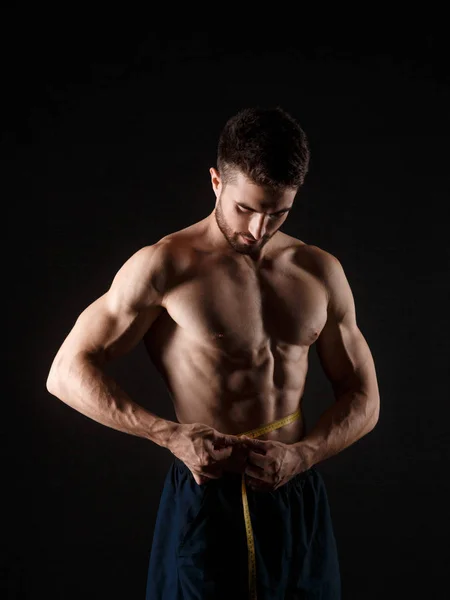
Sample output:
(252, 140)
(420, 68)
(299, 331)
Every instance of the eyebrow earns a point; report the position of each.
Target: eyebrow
(253, 210)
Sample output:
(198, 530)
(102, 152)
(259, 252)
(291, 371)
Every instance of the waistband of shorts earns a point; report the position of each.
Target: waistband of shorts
(231, 475)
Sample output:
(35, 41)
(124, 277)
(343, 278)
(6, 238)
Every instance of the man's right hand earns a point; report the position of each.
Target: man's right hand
(207, 452)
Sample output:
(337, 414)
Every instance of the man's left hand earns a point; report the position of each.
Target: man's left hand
(271, 464)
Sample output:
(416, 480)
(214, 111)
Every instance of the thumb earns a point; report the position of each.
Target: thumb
(223, 446)
(245, 438)
(250, 442)
(226, 441)
(222, 452)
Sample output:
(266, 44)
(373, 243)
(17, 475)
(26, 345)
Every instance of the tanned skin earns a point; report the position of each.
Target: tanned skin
(229, 326)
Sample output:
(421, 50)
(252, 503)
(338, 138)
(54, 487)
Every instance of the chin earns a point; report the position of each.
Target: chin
(245, 250)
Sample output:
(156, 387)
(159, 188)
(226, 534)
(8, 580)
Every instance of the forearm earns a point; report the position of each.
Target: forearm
(88, 389)
(351, 417)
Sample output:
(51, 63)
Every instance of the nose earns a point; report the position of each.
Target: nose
(257, 226)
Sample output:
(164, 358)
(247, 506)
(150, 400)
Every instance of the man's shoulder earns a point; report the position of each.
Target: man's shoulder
(178, 246)
(319, 261)
(169, 255)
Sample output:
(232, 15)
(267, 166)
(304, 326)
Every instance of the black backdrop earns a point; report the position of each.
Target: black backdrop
(108, 140)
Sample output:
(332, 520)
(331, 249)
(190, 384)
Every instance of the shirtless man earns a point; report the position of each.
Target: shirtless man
(228, 309)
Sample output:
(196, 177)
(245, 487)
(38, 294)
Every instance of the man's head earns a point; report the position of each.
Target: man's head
(262, 160)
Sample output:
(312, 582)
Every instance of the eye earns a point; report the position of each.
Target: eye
(243, 210)
(272, 217)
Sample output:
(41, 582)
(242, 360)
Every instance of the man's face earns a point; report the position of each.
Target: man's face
(246, 211)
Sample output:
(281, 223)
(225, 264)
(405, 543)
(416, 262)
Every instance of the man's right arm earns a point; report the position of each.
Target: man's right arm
(107, 329)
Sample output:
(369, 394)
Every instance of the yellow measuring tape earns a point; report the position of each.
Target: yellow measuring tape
(254, 433)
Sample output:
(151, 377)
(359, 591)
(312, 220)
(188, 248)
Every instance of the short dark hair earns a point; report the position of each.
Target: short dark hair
(267, 145)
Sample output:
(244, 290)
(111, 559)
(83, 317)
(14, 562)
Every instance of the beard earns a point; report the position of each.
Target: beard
(233, 238)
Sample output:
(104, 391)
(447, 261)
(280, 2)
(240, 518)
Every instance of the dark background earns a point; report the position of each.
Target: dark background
(106, 145)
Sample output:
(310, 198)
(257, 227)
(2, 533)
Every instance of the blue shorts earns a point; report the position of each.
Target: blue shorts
(199, 549)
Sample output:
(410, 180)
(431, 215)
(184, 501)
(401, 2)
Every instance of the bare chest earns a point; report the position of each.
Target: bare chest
(238, 308)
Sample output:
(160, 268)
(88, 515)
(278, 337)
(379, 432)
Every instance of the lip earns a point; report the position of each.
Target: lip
(247, 241)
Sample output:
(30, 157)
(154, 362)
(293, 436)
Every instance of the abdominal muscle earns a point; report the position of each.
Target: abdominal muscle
(234, 393)
(203, 395)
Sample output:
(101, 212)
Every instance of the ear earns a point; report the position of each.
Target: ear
(216, 181)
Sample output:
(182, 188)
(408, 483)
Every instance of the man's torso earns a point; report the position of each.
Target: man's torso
(232, 341)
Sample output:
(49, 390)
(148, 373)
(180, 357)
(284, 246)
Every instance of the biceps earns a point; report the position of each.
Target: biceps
(344, 354)
(106, 334)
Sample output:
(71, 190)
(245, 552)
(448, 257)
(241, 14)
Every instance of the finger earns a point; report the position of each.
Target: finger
(200, 479)
(221, 453)
(251, 440)
(226, 440)
(257, 445)
(256, 459)
(216, 444)
(254, 470)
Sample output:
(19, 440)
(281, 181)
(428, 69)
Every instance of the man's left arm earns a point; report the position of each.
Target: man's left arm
(348, 364)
